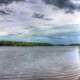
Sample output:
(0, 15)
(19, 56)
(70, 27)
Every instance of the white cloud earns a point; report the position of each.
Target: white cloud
(3, 33)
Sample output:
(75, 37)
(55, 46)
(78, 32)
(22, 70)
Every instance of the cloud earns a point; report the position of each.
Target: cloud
(38, 15)
(9, 1)
(64, 4)
(3, 33)
(5, 12)
(41, 16)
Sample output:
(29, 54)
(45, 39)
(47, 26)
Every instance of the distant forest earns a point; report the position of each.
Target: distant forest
(17, 43)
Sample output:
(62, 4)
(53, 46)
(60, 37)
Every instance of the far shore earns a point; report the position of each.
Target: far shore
(19, 43)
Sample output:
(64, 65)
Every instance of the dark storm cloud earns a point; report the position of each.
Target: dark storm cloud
(5, 2)
(63, 4)
(9, 1)
(38, 15)
(4, 12)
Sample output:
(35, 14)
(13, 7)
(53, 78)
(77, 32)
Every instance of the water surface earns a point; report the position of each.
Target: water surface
(38, 62)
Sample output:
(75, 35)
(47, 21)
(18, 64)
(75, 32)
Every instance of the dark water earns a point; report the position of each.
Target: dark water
(39, 63)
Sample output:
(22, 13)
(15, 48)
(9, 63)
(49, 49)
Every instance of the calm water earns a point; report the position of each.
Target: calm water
(39, 63)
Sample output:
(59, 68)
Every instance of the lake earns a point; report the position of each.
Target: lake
(39, 63)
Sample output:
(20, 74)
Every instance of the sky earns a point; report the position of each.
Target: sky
(52, 21)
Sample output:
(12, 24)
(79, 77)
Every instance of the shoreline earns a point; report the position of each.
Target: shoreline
(31, 44)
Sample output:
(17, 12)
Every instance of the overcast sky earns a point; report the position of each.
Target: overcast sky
(31, 18)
